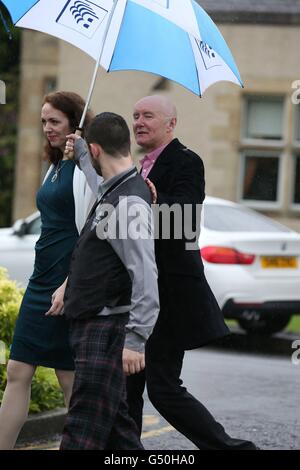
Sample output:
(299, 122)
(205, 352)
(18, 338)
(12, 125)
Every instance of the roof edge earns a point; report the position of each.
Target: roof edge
(243, 17)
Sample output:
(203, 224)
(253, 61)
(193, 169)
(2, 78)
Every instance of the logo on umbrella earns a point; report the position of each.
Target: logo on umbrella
(163, 3)
(209, 57)
(83, 12)
(82, 16)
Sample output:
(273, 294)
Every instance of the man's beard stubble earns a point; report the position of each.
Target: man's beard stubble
(96, 166)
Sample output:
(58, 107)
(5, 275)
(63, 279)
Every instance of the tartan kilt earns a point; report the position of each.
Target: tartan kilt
(98, 414)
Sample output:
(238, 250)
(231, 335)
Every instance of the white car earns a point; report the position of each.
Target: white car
(251, 262)
(17, 247)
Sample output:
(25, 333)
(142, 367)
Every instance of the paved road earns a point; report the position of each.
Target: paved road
(254, 396)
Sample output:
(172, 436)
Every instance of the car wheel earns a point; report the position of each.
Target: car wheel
(261, 323)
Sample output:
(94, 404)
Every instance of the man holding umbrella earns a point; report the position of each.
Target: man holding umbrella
(189, 315)
(111, 307)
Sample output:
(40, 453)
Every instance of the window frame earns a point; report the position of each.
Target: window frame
(266, 143)
(295, 206)
(260, 204)
(296, 142)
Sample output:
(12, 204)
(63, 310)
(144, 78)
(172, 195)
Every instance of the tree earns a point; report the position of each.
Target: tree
(9, 74)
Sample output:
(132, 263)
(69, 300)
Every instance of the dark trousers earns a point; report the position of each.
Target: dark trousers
(98, 416)
(186, 414)
(135, 385)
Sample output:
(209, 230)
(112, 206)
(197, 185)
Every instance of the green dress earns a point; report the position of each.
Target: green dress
(39, 339)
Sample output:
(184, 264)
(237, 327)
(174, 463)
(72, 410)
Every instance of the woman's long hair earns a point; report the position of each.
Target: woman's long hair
(72, 105)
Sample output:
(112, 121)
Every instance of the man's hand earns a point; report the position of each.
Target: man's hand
(57, 301)
(133, 362)
(69, 148)
(152, 189)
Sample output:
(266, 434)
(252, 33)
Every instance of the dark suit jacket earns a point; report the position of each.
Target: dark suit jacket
(189, 311)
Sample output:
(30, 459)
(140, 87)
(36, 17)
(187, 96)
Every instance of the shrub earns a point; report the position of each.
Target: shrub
(46, 393)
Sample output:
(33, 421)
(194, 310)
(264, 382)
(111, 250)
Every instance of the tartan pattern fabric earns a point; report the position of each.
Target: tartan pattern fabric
(98, 415)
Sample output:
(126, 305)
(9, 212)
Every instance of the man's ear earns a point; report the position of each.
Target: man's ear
(173, 123)
(95, 150)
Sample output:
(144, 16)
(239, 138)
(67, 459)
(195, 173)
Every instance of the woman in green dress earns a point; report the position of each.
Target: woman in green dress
(39, 339)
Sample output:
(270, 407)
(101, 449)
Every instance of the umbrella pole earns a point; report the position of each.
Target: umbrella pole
(93, 81)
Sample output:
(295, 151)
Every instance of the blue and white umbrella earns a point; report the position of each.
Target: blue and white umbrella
(175, 39)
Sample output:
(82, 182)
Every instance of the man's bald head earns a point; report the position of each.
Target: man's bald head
(155, 118)
(161, 103)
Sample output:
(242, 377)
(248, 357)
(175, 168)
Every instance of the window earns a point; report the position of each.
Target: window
(34, 227)
(296, 198)
(296, 167)
(297, 125)
(261, 158)
(50, 85)
(238, 219)
(264, 118)
(260, 177)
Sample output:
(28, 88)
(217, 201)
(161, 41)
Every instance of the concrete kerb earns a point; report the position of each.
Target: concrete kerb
(46, 425)
(277, 345)
(42, 426)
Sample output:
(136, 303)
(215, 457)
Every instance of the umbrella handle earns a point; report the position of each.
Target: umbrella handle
(67, 153)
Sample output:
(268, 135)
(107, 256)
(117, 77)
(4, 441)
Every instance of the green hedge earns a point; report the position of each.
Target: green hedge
(46, 393)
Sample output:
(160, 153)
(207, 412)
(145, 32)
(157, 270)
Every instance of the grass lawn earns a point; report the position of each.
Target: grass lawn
(293, 326)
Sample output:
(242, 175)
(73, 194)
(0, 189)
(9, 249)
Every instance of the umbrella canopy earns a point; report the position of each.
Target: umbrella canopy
(172, 38)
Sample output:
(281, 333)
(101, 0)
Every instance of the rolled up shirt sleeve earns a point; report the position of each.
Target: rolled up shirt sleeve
(82, 159)
(136, 251)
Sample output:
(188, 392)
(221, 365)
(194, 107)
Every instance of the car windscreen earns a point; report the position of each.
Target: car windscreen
(34, 227)
(238, 219)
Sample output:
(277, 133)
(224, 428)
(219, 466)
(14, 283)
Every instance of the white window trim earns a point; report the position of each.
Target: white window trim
(264, 144)
(296, 145)
(248, 141)
(254, 204)
(294, 206)
(296, 142)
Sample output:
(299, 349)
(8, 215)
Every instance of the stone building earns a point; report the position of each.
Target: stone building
(248, 138)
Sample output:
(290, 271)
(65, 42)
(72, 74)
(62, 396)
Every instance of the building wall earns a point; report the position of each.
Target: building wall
(39, 65)
(210, 125)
